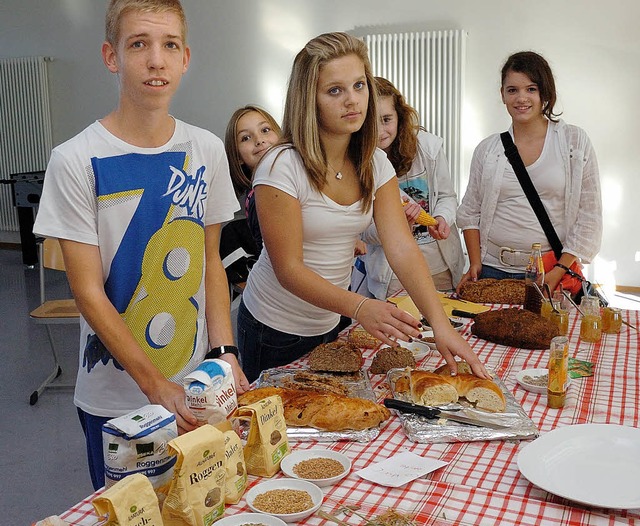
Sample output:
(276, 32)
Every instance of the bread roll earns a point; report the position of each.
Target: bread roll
(427, 388)
(361, 338)
(484, 394)
(326, 411)
(431, 389)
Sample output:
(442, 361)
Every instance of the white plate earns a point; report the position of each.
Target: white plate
(593, 464)
(541, 389)
(297, 484)
(240, 519)
(291, 460)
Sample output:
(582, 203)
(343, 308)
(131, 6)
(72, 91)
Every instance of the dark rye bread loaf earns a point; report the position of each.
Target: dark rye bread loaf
(336, 357)
(515, 327)
(490, 290)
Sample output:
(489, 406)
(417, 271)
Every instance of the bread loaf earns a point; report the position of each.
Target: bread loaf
(515, 327)
(326, 411)
(463, 368)
(427, 388)
(361, 338)
(389, 358)
(336, 357)
(490, 290)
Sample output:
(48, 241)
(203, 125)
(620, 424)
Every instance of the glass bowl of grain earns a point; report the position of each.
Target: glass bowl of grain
(288, 499)
(322, 467)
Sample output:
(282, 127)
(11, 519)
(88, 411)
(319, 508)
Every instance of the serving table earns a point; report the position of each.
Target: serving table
(481, 484)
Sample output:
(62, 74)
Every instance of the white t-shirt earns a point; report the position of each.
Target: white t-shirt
(146, 208)
(330, 232)
(515, 224)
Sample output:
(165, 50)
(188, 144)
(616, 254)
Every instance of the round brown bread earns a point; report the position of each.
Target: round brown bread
(361, 338)
(515, 327)
(326, 411)
(390, 358)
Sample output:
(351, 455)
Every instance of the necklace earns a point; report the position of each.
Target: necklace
(338, 172)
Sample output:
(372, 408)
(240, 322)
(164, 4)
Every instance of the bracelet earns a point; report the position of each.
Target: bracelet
(362, 302)
(216, 352)
(563, 267)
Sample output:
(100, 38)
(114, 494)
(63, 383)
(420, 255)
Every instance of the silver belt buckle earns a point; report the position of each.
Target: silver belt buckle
(514, 258)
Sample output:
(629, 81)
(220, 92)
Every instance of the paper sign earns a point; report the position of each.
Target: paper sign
(399, 469)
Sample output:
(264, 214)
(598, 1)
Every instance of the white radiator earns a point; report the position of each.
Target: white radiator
(25, 125)
(428, 69)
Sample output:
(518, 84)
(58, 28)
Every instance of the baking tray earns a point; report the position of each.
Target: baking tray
(358, 385)
(432, 431)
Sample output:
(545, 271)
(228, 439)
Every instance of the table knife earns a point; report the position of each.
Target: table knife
(433, 412)
(463, 313)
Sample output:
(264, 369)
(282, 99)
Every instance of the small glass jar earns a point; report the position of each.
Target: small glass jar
(611, 320)
(558, 372)
(546, 309)
(561, 318)
(591, 323)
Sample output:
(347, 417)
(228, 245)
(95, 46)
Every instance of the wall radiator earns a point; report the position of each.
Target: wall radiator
(25, 125)
(428, 69)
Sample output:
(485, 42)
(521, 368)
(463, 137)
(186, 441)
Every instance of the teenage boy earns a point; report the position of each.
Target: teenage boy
(137, 200)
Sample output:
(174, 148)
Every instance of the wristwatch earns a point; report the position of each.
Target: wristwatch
(216, 352)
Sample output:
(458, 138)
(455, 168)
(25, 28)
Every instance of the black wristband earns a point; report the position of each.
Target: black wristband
(216, 352)
(563, 267)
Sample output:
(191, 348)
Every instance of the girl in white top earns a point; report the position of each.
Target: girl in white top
(562, 164)
(315, 194)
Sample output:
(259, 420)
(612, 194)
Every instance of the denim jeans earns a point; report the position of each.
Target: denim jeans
(492, 272)
(262, 347)
(92, 427)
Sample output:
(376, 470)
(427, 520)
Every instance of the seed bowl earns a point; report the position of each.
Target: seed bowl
(290, 461)
(282, 484)
(241, 519)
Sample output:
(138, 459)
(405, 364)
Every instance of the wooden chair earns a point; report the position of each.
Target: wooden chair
(52, 311)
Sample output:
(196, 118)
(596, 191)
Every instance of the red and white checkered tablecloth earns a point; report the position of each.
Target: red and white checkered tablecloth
(481, 484)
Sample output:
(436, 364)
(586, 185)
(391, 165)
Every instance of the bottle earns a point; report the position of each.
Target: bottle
(534, 274)
(558, 372)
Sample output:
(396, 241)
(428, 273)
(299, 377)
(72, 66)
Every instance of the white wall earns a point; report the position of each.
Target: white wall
(242, 52)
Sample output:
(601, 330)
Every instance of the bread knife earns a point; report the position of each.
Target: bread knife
(463, 313)
(433, 412)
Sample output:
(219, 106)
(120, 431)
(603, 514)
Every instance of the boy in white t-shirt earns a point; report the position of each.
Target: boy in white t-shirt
(137, 201)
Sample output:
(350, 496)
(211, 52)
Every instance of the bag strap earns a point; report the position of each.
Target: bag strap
(511, 151)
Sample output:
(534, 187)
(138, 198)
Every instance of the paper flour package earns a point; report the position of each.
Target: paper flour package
(138, 443)
(211, 392)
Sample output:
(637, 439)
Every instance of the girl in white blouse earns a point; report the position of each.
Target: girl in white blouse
(495, 216)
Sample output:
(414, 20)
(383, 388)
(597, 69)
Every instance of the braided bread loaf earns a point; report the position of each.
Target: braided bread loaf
(326, 411)
(427, 388)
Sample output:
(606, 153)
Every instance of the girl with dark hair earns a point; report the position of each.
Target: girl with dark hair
(498, 223)
(316, 193)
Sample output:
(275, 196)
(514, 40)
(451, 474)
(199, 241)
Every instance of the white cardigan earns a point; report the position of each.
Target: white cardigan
(583, 203)
(430, 163)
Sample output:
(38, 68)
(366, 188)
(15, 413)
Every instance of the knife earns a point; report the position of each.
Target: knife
(433, 412)
(463, 313)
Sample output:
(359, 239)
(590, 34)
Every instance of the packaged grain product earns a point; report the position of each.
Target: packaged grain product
(138, 443)
(211, 392)
(196, 495)
(236, 482)
(130, 502)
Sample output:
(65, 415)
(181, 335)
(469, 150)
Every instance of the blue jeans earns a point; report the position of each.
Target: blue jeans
(262, 347)
(92, 427)
(492, 272)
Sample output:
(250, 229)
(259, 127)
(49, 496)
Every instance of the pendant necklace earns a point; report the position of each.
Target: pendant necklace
(338, 172)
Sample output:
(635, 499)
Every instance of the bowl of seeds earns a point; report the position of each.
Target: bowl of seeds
(322, 467)
(288, 499)
(250, 519)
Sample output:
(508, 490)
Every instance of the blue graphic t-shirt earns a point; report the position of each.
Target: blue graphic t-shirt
(146, 208)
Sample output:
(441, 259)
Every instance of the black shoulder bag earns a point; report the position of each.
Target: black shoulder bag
(511, 151)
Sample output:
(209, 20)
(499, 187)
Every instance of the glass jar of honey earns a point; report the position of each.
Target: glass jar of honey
(611, 320)
(546, 309)
(591, 323)
(561, 318)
